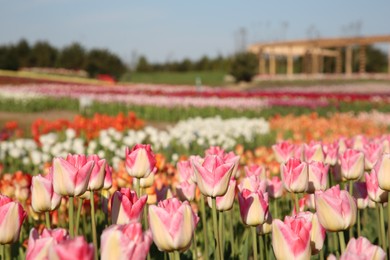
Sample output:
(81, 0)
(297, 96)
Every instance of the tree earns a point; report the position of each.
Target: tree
(72, 57)
(23, 52)
(43, 55)
(101, 61)
(143, 64)
(244, 66)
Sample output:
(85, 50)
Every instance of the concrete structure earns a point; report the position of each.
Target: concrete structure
(313, 52)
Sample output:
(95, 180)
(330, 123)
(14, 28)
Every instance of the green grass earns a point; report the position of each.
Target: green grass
(209, 78)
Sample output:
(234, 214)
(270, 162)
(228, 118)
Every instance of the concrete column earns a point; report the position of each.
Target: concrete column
(348, 60)
(314, 63)
(261, 63)
(272, 64)
(362, 59)
(290, 64)
(338, 61)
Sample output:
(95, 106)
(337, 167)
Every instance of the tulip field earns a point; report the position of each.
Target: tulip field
(178, 172)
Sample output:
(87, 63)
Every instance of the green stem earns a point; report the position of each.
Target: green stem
(171, 256)
(138, 187)
(177, 255)
(296, 199)
(221, 231)
(262, 246)
(215, 227)
(388, 220)
(94, 237)
(204, 224)
(351, 188)
(254, 242)
(275, 202)
(8, 253)
(322, 254)
(71, 208)
(231, 231)
(382, 222)
(378, 216)
(194, 247)
(47, 218)
(342, 241)
(359, 231)
(79, 207)
(2, 252)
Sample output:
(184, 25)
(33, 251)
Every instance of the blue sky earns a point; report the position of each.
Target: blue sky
(175, 29)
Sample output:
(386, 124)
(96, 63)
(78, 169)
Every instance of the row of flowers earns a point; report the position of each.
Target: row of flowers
(187, 136)
(296, 232)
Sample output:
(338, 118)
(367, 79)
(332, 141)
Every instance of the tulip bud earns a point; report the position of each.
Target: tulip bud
(185, 171)
(313, 152)
(336, 209)
(383, 172)
(275, 187)
(295, 175)
(283, 151)
(12, 217)
(98, 173)
(186, 190)
(318, 176)
(125, 242)
(266, 227)
(253, 207)
(39, 244)
(362, 248)
(352, 164)
(140, 161)
(71, 176)
(372, 152)
(126, 207)
(213, 175)
(374, 191)
(360, 194)
(43, 197)
(291, 238)
(225, 202)
(331, 153)
(70, 249)
(172, 224)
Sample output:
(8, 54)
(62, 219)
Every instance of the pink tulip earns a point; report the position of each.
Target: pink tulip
(215, 150)
(213, 175)
(331, 153)
(107, 178)
(172, 224)
(362, 248)
(186, 190)
(185, 171)
(336, 209)
(275, 187)
(358, 142)
(317, 233)
(299, 152)
(71, 176)
(253, 183)
(374, 191)
(235, 159)
(70, 249)
(266, 227)
(313, 152)
(255, 170)
(126, 207)
(225, 202)
(253, 207)
(39, 244)
(144, 182)
(140, 161)
(98, 174)
(352, 164)
(383, 171)
(295, 175)
(318, 176)
(360, 194)
(372, 152)
(12, 216)
(125, 242)
(291, 238)
(43, 197)
(283, 151)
